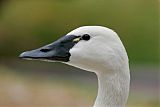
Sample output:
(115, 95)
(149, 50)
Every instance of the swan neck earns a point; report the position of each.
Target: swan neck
(113, 90)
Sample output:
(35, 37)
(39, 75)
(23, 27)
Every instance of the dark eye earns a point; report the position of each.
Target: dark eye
(85, 37)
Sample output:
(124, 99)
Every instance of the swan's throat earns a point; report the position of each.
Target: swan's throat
(113, 90)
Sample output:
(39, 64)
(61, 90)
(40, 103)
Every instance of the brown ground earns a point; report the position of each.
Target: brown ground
(53, 90)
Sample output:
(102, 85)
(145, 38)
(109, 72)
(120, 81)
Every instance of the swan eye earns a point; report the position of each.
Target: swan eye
(85, 37)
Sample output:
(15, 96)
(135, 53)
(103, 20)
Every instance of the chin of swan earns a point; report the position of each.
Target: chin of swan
(96, 49)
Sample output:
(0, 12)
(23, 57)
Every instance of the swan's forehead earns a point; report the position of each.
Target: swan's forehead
(91, 30)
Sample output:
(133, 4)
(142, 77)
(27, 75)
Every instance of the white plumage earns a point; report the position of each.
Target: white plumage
(105, 55)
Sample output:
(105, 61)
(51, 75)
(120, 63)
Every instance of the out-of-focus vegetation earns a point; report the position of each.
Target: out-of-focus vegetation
(27, 24)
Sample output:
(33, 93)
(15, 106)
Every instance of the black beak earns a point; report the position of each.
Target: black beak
(56, 51)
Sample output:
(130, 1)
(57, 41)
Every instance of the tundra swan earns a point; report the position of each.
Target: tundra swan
(97, 49)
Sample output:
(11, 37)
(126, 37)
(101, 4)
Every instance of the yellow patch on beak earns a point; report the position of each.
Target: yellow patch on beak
(76, 39)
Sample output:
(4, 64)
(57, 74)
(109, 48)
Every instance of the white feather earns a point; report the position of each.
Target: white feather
(105, 55)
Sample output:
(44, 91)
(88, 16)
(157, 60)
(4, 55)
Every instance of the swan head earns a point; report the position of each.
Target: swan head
(91, 48)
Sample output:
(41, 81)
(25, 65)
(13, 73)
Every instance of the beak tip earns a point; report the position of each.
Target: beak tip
(22, 55)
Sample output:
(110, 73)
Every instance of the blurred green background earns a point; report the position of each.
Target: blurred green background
(29, 24)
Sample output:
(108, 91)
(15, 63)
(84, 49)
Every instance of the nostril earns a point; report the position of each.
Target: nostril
(45, 50)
